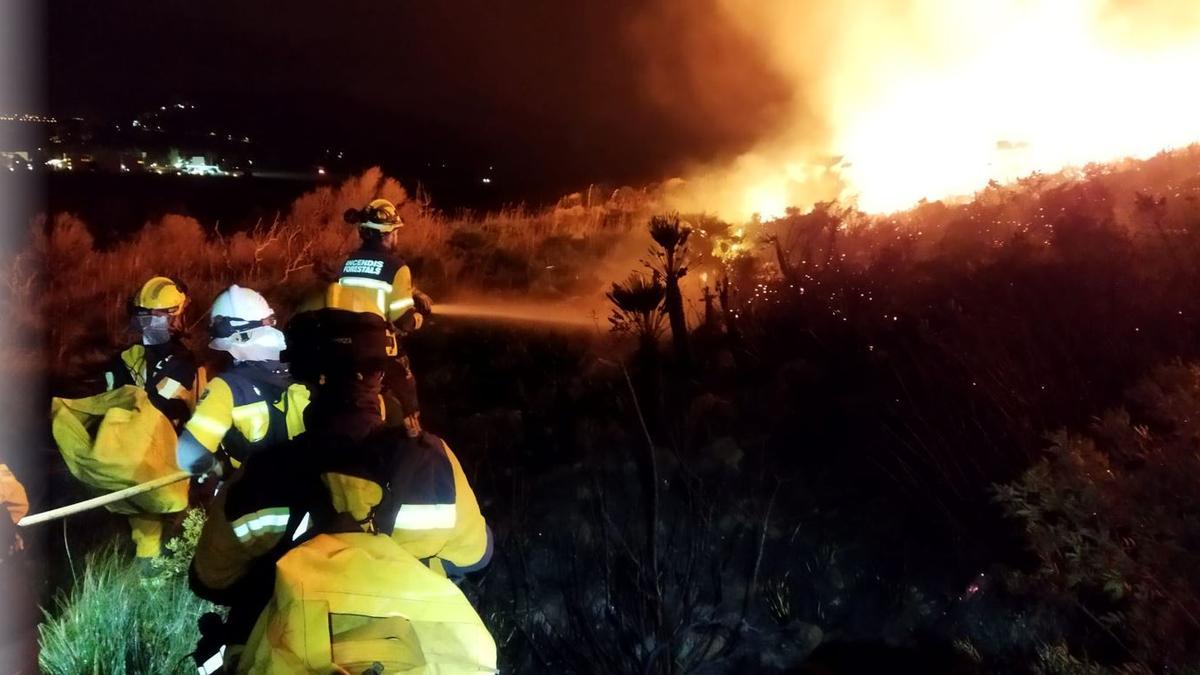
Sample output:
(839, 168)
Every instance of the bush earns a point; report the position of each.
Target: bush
(1112, 519)
(116, 621)
(62, 272)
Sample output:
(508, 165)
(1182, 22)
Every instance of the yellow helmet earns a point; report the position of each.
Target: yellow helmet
(379, 215)
(161, 294)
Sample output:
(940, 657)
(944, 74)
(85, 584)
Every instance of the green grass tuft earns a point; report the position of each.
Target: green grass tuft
(116, 621)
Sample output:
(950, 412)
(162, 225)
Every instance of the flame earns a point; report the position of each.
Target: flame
(931, 99)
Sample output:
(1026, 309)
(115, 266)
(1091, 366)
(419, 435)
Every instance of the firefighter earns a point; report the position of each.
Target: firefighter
(19, 620)
(160, 363)
(375, 280)
(14, 504)
(252, 405)
(350, 472)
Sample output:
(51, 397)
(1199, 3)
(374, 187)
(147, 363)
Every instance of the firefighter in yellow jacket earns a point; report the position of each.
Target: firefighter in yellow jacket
(255, 403)
(375, 280)
(19, 618)
(14, 504)
(160, 363)
(349, 472)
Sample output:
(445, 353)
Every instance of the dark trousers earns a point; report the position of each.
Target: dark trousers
(402, 384)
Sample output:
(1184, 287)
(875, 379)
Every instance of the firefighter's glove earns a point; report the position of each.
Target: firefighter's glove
(410, 322)
(212, 638)
(213, 473)
(422, 303)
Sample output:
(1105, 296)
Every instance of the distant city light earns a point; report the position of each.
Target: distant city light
(27, 117)
(199, 166)
(487, 180)
(129, 159)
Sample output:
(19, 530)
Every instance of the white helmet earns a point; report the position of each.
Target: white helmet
(243, 324)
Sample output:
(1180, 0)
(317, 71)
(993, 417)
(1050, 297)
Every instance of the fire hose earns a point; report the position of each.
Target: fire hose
(95, 502)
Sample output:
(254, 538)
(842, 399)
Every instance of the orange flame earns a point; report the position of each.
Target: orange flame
(934, 100)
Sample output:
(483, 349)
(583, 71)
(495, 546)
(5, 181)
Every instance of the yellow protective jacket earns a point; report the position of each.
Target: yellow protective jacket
(344, 602)
(373, 280)
(349, 474)
(116, 440)
(167, 372)
(12, 494)
(317, 480)
(253, 405)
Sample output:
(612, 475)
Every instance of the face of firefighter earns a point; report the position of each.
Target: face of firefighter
(155, 327)
(258, 344)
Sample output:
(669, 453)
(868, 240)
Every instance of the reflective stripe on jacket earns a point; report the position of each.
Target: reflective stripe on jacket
(428, 507)
(167, 372)
(373, 280)
(322, 482)
(244, 410)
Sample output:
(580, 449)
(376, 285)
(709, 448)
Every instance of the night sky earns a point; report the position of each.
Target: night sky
(559, 93)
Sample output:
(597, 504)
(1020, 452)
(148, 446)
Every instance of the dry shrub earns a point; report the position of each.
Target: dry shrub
(323, 208)
(1110, 517)
(288, 259)
(170, 244)
(66, 242)
(241, 250)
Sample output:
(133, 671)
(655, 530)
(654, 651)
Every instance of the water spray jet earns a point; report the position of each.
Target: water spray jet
(545, 315)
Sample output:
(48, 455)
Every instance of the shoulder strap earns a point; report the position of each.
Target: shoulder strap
(133, 360)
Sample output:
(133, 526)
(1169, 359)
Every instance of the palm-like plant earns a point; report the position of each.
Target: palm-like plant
(637, 306)
(669, 232)
(670, 261)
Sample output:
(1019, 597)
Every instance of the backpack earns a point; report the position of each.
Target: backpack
(359, 603)
(116, 440)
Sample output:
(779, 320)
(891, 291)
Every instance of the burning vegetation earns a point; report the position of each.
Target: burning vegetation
(892, 103)
(823, 447)
(903, 375)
